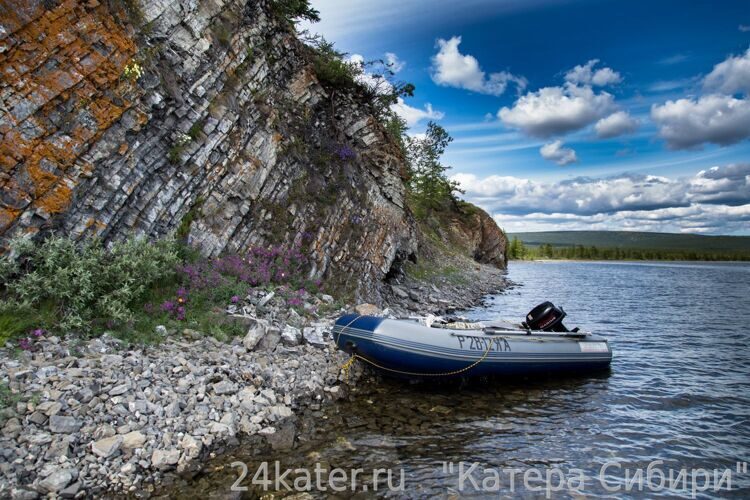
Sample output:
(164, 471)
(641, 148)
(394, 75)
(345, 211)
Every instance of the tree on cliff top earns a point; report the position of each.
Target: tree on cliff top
(294, 10)
(430, 187)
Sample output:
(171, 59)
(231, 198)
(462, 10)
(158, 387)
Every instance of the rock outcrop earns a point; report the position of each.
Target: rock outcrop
(480, 235)
(202, 118)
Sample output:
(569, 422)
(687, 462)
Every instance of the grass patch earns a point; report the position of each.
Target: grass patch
(196, 129)
(8, 399)
(16, 322)
(430, 272)
(183, 230)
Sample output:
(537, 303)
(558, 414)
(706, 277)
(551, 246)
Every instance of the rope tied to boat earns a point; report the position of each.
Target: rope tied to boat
(346, 367)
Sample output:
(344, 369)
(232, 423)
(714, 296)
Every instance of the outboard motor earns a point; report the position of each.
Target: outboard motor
(547, 317)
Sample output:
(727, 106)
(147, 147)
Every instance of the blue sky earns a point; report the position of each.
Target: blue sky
(576, 114)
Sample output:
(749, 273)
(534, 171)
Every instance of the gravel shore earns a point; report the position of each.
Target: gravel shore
(98, 417)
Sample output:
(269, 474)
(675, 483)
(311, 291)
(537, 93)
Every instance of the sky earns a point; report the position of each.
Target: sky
(575, 115)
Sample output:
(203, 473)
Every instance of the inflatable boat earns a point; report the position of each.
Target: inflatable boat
(432, 347)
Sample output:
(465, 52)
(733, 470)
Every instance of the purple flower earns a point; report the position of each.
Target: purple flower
(38, 332)
(180, 313)
(294, 301)
(235, 299)
(24, 344)
(167, 306)
(345, 153)
(181, 292)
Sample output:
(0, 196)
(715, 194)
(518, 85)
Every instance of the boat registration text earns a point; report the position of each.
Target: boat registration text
(483, 344)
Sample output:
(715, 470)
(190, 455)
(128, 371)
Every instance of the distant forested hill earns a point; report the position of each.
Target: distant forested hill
(628, 245)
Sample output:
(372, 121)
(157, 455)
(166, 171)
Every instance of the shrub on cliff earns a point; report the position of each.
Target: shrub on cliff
(84, 283)
(292, 10)
(331, 68)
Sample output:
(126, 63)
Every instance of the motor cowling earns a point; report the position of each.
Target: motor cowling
(546, 317)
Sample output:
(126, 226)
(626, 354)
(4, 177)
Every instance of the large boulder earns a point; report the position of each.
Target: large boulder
(291, 336)
(57, 480)
(133, 440)
(255, 334)
(164, 459)
(107, 447)
(367, 309)
(64, 425)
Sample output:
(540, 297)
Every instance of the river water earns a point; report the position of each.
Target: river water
(678, 392)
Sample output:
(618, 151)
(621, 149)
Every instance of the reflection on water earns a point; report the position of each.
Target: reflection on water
(678, 391)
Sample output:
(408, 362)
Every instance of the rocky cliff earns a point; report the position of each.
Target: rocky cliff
(473, 228)
(204, 118)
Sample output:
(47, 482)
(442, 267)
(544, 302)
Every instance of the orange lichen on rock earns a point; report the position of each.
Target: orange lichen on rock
(7, 216)
(97, 225)
(42, 179)
(61, 67)
(56, 200)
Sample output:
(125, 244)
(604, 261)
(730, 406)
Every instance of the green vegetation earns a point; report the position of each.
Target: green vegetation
(429, 187)
(293, 10)
(128, 289)
(184, 228)
(196, 128)
(178, 147)
(425, 271)
(331, 68)
(8, 399)
(77, 286)
(380, 90)
(706, 250)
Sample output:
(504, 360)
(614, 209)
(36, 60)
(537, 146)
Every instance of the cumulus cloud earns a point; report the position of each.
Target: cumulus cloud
(719, 117)
(713, 200)
(451, 68)
(586, 75)
(557, 110)
(728, 185)
(743, 28)
(689, 123)
(393, 62)
(586, 196)
(616, 124)
(414, 115)
(707, 219)
(554, 151)
(730, 76)
(581, 196)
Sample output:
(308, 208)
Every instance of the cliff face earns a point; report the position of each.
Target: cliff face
(480, 235)
(205, 118)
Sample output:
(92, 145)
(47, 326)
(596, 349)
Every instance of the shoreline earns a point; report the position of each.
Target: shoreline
(101, 417)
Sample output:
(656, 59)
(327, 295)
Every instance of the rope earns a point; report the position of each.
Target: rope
(346, 367)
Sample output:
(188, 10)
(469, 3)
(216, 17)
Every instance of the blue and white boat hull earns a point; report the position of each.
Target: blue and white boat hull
(409, 348)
